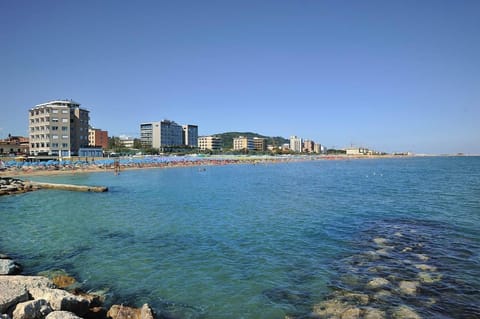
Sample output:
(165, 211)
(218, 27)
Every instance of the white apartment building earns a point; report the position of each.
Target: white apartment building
(295, 144)
(209, 143)
(58, 128)
(162, 134)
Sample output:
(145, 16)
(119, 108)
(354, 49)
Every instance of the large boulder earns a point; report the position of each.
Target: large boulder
(27, 282)
(9, 267)
(11, 294)
(62, 300)
(62, 315)
(33, 309)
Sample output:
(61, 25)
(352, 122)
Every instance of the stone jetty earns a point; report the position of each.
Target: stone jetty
(9, 186)
(40, 297)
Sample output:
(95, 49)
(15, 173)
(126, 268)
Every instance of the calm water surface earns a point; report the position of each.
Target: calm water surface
(263, 241)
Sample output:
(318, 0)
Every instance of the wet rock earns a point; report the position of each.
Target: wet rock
(352, 313)
(124, 312)
(407, 249)
(429, 278)
(353, 297)
(11, 294)
(4, 316)
(380, 241)
(425, 267)
(331, 308)
(377, 282)
(405, 312)
(32, 309)
(62, 300)
(62, 315)
(408, 287)
(382, 295)
(372, 313)
(63, 281)
(422, 257)
(9, 267)
(96, 313)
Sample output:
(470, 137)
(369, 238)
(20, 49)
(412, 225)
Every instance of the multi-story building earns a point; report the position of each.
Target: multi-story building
(318, 148)
(17, 145)
(58, 128)
(97, 138)
(209, 143)
(242, 143)
(295, 144)
(308, 146)
(190, 135)
(161, 134)
(259, 144)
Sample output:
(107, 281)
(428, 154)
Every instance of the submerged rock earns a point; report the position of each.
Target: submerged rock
(377, 282)
(425, 267)
(372, 313)
(405, 312)
(123, 312)
(429, 278)
(408, 287)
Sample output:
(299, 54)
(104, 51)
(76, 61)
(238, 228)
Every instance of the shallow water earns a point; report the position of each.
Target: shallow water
(262, 241)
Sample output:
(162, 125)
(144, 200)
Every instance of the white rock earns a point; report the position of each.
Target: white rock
(9, 267)
(62, 300)
(62, 315)
(11, 294)
(32, 309)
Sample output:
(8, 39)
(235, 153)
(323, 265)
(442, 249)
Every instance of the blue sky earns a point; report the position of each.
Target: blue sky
(390, 75)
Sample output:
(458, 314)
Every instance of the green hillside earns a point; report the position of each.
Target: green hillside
(227, 138)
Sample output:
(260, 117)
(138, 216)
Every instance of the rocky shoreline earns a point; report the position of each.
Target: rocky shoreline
(42, 297)
(10, 186)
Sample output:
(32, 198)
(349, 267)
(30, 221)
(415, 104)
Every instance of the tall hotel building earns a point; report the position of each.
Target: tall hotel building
(190, 135)
(209, 143)
(58, 128)
(167, 133)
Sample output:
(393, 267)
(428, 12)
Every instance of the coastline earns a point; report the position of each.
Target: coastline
(173, 162)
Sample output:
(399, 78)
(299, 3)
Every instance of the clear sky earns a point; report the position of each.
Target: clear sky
(389, 75)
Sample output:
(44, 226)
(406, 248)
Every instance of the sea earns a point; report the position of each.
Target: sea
(276, 240)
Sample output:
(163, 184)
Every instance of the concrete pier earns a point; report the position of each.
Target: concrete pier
(69, 187)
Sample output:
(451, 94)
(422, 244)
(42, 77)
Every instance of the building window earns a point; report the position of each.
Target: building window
(55, 111)
(64, 128)
(64, 145)
(54, 119)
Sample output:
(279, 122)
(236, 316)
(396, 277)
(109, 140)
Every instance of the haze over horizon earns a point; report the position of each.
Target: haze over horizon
(389, 75)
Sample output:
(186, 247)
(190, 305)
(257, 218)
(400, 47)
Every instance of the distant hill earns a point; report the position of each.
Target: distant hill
(227, 138)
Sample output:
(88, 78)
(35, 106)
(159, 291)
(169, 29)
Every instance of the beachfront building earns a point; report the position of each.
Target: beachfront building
(259, 144)
(308, 146)
(318, 148)
(190, 135)
(212, 143)
(295, 144)
(58, 128)
(242, 143)
(161, 134)
(357, 151)
(126, 141)
(97, 138)
(14, 145)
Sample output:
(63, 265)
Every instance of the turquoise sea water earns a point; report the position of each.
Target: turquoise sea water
(262, 241)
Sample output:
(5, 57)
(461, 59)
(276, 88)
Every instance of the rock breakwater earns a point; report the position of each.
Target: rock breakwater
(9, 186)
(38, 297)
